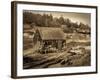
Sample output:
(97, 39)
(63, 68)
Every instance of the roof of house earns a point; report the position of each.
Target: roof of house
(51, 33)
(29, 31)
(27, 26)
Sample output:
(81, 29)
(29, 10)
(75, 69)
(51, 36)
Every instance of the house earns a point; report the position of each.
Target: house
(27, 26)
(28, 34)
(49, 38)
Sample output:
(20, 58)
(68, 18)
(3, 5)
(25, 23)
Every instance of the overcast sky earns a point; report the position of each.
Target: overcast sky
(74, 17)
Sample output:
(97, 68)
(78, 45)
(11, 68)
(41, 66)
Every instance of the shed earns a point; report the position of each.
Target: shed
(50, 37)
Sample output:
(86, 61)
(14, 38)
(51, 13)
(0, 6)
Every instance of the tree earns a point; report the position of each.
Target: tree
(61, 20)
(28, 17)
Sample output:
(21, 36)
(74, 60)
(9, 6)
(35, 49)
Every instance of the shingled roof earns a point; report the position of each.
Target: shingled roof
(51, 33)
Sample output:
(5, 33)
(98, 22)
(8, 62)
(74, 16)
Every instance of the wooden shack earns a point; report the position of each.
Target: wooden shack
(49, 37)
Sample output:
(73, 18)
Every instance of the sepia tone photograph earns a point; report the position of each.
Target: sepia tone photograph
(53, 39)
(56, 39)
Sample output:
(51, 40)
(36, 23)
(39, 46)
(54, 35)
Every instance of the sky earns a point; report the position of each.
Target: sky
(74, 17)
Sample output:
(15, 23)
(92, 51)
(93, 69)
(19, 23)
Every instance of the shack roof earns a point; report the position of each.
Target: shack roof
(51, 33)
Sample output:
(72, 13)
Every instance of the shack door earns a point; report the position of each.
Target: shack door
(59, 44)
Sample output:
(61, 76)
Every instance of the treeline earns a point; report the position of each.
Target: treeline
(47, 20)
